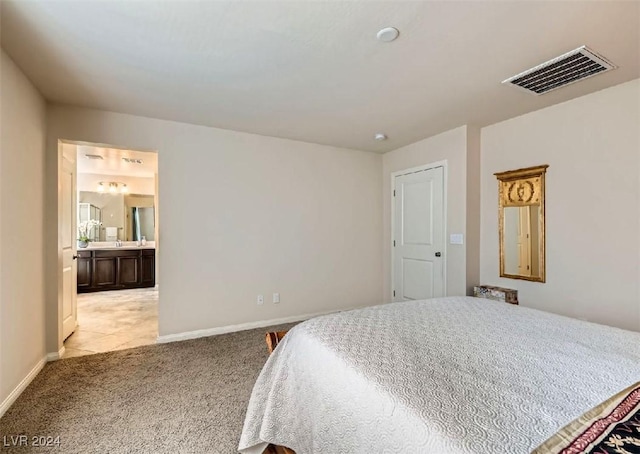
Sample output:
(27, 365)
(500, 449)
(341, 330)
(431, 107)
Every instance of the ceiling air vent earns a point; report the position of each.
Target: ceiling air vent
(566, 69)
(93, 156)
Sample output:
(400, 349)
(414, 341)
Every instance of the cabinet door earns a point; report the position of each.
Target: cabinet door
(148, 270)
(128, 271)
(105, 272)
(84, 272)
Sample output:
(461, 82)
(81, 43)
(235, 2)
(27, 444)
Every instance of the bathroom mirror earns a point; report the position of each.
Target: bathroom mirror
(521, 223)
(141, 223)
(126, 217)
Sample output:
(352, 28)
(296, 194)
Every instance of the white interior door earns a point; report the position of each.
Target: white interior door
(68, 229)
(419, 237)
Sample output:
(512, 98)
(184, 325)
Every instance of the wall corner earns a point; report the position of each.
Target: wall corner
(473, 208)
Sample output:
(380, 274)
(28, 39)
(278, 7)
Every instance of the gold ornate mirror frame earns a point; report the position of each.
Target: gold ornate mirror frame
(522, 227)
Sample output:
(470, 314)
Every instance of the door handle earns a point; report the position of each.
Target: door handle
(74, 257)
(438, 254)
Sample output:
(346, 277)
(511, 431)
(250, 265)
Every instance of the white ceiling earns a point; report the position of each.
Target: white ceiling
(313, 70)
(112, 163)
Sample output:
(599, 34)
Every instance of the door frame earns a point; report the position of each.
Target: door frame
(58, 334)
(433, 165)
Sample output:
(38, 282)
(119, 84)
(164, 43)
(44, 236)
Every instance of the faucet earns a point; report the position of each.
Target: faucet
(118, 243)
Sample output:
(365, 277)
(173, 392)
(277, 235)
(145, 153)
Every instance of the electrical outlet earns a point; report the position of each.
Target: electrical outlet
(260, 299)
(276, 298)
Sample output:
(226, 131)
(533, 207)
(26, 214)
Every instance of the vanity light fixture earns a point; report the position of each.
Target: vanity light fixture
(133, 160)
(113, 187)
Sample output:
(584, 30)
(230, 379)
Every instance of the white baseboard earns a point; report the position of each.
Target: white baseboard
(55, 355)
(241, 327)
(11, 398)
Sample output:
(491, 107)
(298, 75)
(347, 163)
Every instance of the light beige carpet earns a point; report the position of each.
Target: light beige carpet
(183, 397)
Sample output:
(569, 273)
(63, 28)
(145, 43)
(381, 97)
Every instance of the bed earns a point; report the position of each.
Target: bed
(447, 375)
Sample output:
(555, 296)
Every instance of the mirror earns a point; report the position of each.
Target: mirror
(126, 217)
(521, 223)
(140, 217)
(87, 212)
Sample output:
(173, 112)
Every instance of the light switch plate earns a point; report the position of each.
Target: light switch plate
(260, 299)
(456, 238)
(276, 298)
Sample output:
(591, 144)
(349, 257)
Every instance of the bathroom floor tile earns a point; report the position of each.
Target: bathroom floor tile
(104, 344)
(114, 320)
(136, 343)
(72, 352)
(81, 336)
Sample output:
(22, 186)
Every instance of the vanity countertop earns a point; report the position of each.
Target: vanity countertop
(115, 248)
(110, 246)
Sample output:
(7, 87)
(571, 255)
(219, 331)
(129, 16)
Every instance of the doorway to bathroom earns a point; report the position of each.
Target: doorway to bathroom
(112, 299)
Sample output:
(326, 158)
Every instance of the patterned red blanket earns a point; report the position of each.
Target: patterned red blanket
(612, 427)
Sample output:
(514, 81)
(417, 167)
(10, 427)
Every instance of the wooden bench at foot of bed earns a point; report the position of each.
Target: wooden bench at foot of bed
(273, 338)
(271, 449)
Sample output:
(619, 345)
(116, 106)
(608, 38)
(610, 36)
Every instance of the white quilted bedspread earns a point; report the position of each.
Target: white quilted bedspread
(448, 375)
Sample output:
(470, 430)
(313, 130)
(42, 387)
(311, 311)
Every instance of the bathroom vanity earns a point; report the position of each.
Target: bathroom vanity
(116, 268)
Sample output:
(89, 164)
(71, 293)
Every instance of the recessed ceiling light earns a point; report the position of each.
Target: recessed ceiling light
(388, 34)
(93, 156)
(380, 137)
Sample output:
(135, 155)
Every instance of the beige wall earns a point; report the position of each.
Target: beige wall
(244, 215)
(592, 145)
(456, 147)
(22, 310)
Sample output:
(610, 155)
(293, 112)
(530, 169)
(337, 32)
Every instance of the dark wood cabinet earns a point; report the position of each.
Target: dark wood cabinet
(148, 268)
(104, 272)
(116, 269)
(84, 269)
(129, 273)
